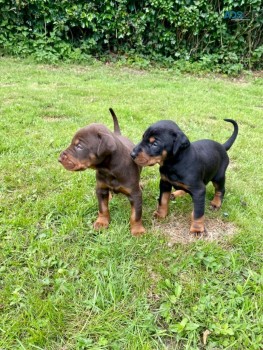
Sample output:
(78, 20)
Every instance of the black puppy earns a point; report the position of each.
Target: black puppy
(187, 167)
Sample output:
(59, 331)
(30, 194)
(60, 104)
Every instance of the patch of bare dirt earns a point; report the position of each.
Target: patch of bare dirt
(258, 73)
(177, 230)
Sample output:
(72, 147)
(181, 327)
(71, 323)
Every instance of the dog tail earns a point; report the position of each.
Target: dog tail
(115, 122)
(231, 140)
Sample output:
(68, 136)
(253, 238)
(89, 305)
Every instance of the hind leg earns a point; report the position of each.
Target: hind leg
(219, 185)
(164, 198)
(135, 199)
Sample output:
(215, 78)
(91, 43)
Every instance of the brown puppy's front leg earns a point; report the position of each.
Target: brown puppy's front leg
(135, 199)
(103, 219)
(198, 219)
(164, 198)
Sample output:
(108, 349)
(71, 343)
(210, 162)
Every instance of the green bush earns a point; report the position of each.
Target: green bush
(162, 30)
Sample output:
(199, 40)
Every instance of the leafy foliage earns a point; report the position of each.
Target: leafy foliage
(191, 30)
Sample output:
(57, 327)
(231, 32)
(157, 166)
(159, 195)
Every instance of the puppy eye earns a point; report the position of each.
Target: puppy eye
(155, 143)
(79, 146)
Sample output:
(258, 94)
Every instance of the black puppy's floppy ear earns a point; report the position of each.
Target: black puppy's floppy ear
(180, 142)
(107, 144)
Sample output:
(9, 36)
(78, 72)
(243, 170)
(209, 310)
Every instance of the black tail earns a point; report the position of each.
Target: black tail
(115, 122)
(231, 140)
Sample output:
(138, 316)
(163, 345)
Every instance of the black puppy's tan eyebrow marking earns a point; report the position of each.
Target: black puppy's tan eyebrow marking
(152, 139)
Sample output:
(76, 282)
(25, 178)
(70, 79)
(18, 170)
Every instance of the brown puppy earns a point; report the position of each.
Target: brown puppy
(96, 147)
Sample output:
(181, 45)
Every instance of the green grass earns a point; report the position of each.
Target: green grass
(64, 286)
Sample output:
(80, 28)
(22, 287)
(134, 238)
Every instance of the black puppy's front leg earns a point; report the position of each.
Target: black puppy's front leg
(198, 219)
(103, 218)
(135, 199)
(164, 198)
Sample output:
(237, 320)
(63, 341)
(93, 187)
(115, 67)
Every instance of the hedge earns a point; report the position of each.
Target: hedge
(189, 30)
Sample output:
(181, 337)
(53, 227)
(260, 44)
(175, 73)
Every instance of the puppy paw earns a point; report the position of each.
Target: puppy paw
(159, 214)
(197, 227)
(101, 223)
(137, 230)
(214, 206)
(216, 202)
(198, 234)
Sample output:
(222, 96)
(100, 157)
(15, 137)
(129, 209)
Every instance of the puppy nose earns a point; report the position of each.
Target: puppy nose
(62, 157)
(133, 155)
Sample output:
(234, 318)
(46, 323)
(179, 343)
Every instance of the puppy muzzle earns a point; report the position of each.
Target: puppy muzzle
(69, 163)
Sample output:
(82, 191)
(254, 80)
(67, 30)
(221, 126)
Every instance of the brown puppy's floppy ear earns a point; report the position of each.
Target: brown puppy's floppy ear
(180, 142)
(107, 144)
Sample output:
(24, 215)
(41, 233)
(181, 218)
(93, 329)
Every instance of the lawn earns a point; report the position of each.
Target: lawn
(64, 286)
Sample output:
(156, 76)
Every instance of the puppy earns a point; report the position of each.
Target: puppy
(108, 153)
(187, 167)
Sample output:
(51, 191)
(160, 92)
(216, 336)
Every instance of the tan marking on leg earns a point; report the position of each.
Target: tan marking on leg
(197, 225)
(103, 218)
(163, 207)
(216, 201)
